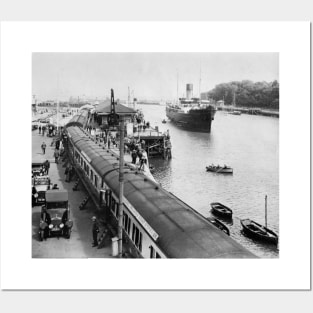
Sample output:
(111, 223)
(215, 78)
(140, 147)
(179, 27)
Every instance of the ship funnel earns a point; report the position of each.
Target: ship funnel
(189, 91)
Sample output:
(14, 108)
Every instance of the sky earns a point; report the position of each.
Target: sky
(151, 76)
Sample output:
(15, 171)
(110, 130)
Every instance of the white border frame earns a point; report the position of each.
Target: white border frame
(290, 39)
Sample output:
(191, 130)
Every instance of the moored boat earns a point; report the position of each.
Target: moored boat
(219, 225)
(258, 231)
(221, 210)
(219, 169)
(235, 112)
(192, 113)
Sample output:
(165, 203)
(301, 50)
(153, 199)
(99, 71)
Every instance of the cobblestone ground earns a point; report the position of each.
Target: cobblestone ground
(80, 243)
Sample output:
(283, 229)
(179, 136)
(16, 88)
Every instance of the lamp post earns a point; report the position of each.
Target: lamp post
(113, 120)
(121, 194)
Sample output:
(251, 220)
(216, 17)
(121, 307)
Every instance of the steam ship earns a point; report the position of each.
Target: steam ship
(192, 113)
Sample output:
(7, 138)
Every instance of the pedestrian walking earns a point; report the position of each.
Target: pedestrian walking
(109, 143)
(43, 130)
(95, 231)
(43, 147)
(39, 129)
(56, 156)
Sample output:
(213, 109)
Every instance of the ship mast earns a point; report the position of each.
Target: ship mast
(200, 86)
(128, 98)
(177, 88)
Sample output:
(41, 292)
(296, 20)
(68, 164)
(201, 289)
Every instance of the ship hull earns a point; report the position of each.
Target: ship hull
(194, 120)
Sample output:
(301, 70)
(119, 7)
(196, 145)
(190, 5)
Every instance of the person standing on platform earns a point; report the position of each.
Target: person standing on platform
(47, 167)
(95, 231)
(43, 147)
(71, 172)
(142, 162)
(139, 153)
(134, 156)
(56, 156)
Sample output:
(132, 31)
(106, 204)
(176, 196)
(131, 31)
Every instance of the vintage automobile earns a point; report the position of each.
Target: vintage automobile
(36, 167)
(42, 184)
(55, 216)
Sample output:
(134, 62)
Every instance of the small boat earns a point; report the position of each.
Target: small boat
(164, 121)
(257, 231)
(219, 225)
(219, 169)
(235, 112)
(221, 210)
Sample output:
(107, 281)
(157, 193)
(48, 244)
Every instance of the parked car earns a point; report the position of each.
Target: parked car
(42, 184)
(55, 215)
(37, 167)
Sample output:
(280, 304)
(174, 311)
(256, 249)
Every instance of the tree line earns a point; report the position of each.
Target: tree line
(247, 94)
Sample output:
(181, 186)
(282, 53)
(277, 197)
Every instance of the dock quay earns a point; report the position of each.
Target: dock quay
(250, 111)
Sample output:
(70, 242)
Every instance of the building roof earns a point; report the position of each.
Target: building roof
(105, 108)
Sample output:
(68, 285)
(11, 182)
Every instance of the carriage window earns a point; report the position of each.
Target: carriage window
(151, 252)
(96, 181)
(154, 254)
(87, 170)
(128, 226)
(116, 209)
(137, 237)
(114, 206)
(91, 175)
(126, 222)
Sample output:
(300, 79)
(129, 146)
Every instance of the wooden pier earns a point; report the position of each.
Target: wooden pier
(156, 144)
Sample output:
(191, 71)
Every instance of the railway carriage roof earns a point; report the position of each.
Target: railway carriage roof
(79, 119)
(182, 232)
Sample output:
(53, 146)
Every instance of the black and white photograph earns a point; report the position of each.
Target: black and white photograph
(161, 156)
(175, 156)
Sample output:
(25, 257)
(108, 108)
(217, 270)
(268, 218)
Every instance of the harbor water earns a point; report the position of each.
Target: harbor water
(247, 143)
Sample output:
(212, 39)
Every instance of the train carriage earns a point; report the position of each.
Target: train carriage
(158, 224)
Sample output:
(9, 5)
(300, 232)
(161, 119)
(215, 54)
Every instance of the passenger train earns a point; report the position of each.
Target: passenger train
(157, 223)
